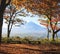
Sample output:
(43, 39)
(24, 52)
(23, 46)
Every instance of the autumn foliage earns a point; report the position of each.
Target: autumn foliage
(49, 8)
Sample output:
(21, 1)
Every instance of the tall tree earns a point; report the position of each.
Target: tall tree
(3, 4)
(10, 17)
(49, 8)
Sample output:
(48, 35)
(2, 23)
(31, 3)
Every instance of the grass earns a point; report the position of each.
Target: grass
(26, 40)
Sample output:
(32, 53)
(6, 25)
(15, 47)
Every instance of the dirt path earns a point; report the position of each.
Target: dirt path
(29, 49)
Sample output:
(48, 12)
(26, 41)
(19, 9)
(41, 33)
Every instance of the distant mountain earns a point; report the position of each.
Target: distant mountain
(32, 27)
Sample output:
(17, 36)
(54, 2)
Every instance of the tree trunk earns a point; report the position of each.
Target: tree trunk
(8, 32)
(1, 23)
(56, 36)
(3, 5)
(8, 36)
(48, 33)
(53, 35)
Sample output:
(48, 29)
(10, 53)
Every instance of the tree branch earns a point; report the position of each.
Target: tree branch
(57, 31)
(8, 2)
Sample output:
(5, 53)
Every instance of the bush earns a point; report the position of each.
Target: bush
(55, 42)
(25, 40)
(4, 40)
(18, 40)
(44, 41)
(35, 42)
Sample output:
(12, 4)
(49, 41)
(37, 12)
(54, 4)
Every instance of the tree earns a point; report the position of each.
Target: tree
(45, 22)
(3, 4)
(49, 8)
(10, 17)
(55, 24)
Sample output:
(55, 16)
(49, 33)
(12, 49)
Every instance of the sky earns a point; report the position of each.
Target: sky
(30, 17)
(27, 19)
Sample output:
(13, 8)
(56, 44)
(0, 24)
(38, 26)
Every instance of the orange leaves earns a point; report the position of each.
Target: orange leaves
(55, 20)
(18, 3)
(40, 6)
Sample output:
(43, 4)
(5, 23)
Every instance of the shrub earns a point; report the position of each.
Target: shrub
(35, 42)
(25, 40)
(4, 40)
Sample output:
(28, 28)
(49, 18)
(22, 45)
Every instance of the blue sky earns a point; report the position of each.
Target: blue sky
(28, 18)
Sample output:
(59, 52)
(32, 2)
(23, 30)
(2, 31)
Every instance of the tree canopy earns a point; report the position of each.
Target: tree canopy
(48, 8)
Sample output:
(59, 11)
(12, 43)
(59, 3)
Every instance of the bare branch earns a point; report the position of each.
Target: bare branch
(8, 2)
(57, 31)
